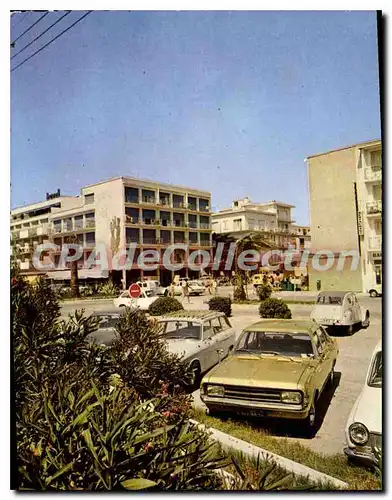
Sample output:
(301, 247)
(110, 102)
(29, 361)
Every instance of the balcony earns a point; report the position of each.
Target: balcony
(192, 206)
(179, 204)
(89, 223)
(374, 242)
(179, 223)
(165, 202)
(204, 243)
(151, 241)
(132, 199)
(132, 240)
(203, 225)
(372, 174)
(374, 207)
(204, 209)
(192, 225)
(149, 200)
(132, 220)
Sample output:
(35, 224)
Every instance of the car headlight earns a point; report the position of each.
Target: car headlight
(291, 397)
(215, 390)
(358, 433)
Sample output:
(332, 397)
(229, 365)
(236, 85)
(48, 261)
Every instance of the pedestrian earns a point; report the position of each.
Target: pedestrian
(171, 290)
(185, 291)
(208, 285)
(215, 286)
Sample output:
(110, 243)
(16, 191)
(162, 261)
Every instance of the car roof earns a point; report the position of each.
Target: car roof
(192, 315)
(283, 325)
(333, 294)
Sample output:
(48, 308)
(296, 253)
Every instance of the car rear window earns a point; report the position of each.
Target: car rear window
(330, 300)
(375, 377)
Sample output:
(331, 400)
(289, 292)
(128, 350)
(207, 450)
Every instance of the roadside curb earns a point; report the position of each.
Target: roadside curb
(251, 450)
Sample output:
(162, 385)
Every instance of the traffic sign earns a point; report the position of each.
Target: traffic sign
(134, 290)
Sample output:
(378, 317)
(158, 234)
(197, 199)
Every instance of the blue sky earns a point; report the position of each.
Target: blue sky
(230, 102)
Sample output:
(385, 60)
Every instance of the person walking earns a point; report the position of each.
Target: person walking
(171, 290)
(185, 291)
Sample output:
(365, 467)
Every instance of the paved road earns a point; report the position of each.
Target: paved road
(351, 367)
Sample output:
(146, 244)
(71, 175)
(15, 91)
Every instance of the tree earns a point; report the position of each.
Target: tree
(251, 241)
(75, 292)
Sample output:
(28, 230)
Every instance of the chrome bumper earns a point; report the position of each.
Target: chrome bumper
(364, 455)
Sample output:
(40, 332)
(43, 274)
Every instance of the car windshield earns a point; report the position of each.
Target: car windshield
(329, 300)
(182, 330)
(375, 377)
(276, 343)
(107, 320)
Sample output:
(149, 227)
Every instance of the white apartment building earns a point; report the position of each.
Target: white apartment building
(273, 219)
(115, 213)
(369, 218)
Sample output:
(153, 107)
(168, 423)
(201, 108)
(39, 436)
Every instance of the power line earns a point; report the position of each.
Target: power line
(28, 29)
(43, 33)
(51, 41)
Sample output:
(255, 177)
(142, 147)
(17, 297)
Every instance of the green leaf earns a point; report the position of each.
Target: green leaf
(138, 484)
(60, 472)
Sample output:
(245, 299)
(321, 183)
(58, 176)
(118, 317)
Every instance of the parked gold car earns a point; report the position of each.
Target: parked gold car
(278, 368)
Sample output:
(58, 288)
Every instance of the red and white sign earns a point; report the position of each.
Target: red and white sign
(134, 290)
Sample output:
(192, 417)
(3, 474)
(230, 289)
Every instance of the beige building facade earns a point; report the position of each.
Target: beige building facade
(117, 213)
(345, 216)
(273, 219)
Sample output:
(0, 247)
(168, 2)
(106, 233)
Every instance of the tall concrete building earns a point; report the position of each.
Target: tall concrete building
(115, 213)
(345, 196)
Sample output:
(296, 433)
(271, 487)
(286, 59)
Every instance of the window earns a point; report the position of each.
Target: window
(318, 344)
(182, 330)
(375, 377)
(329, 300)
(375, 158)
(237, 224)
(207, 330)
(321, 335)
(225, 224)
(216, 326)
(89, 199)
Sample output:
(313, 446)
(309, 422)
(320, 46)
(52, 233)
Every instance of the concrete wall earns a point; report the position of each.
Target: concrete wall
(333, 216)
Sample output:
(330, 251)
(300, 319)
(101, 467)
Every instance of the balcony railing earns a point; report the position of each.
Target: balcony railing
(179, 240)
(204, 225)
(89, 223)
(132, 240)
(192, 225)
(132, 220)
(191, 206)
(132, 199)
(179, 223)
(149, 199)
(194, 243)
(33, 231)
(150, 241)
(204, 208)
(179, 204)
(374, 242)
(164, 201)
(374, 207)
(204, 243)
(372, 174)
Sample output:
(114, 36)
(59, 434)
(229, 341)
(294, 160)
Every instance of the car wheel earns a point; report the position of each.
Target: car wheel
(366, 322)
(195, 367)
(122, 305)
(309, 424)
(373, 293)
(331, 378)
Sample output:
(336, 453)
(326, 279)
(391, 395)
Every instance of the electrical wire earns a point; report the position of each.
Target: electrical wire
(28, 29)
(51, 41)
(43, 33)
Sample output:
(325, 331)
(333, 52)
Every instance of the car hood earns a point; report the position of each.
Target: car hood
(326, 311)
(258, 372)
(183, 347)
(368, 409)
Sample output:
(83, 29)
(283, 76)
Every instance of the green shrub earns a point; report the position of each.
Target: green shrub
(164, 305)
(274, 308)
(108, 289)
(239, 294)
(221, 304)
(264, 292)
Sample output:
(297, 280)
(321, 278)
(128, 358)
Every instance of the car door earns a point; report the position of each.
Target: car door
(326, 354)
(357, 309)
(208, 345)
(319, 373)
(224, 336)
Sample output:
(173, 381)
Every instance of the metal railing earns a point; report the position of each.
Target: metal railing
(372, 174)
(179, 204)
(89, 223)
(204, 243)
(192, 225)
(374, 207)
(204, 225)
(149, 199)
(132, 199)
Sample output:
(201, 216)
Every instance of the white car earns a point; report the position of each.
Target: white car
(364, 424)
(202, 338)
(152, 285)
(340, 310)
(194, 286)
(143, 302)
(375, 291)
